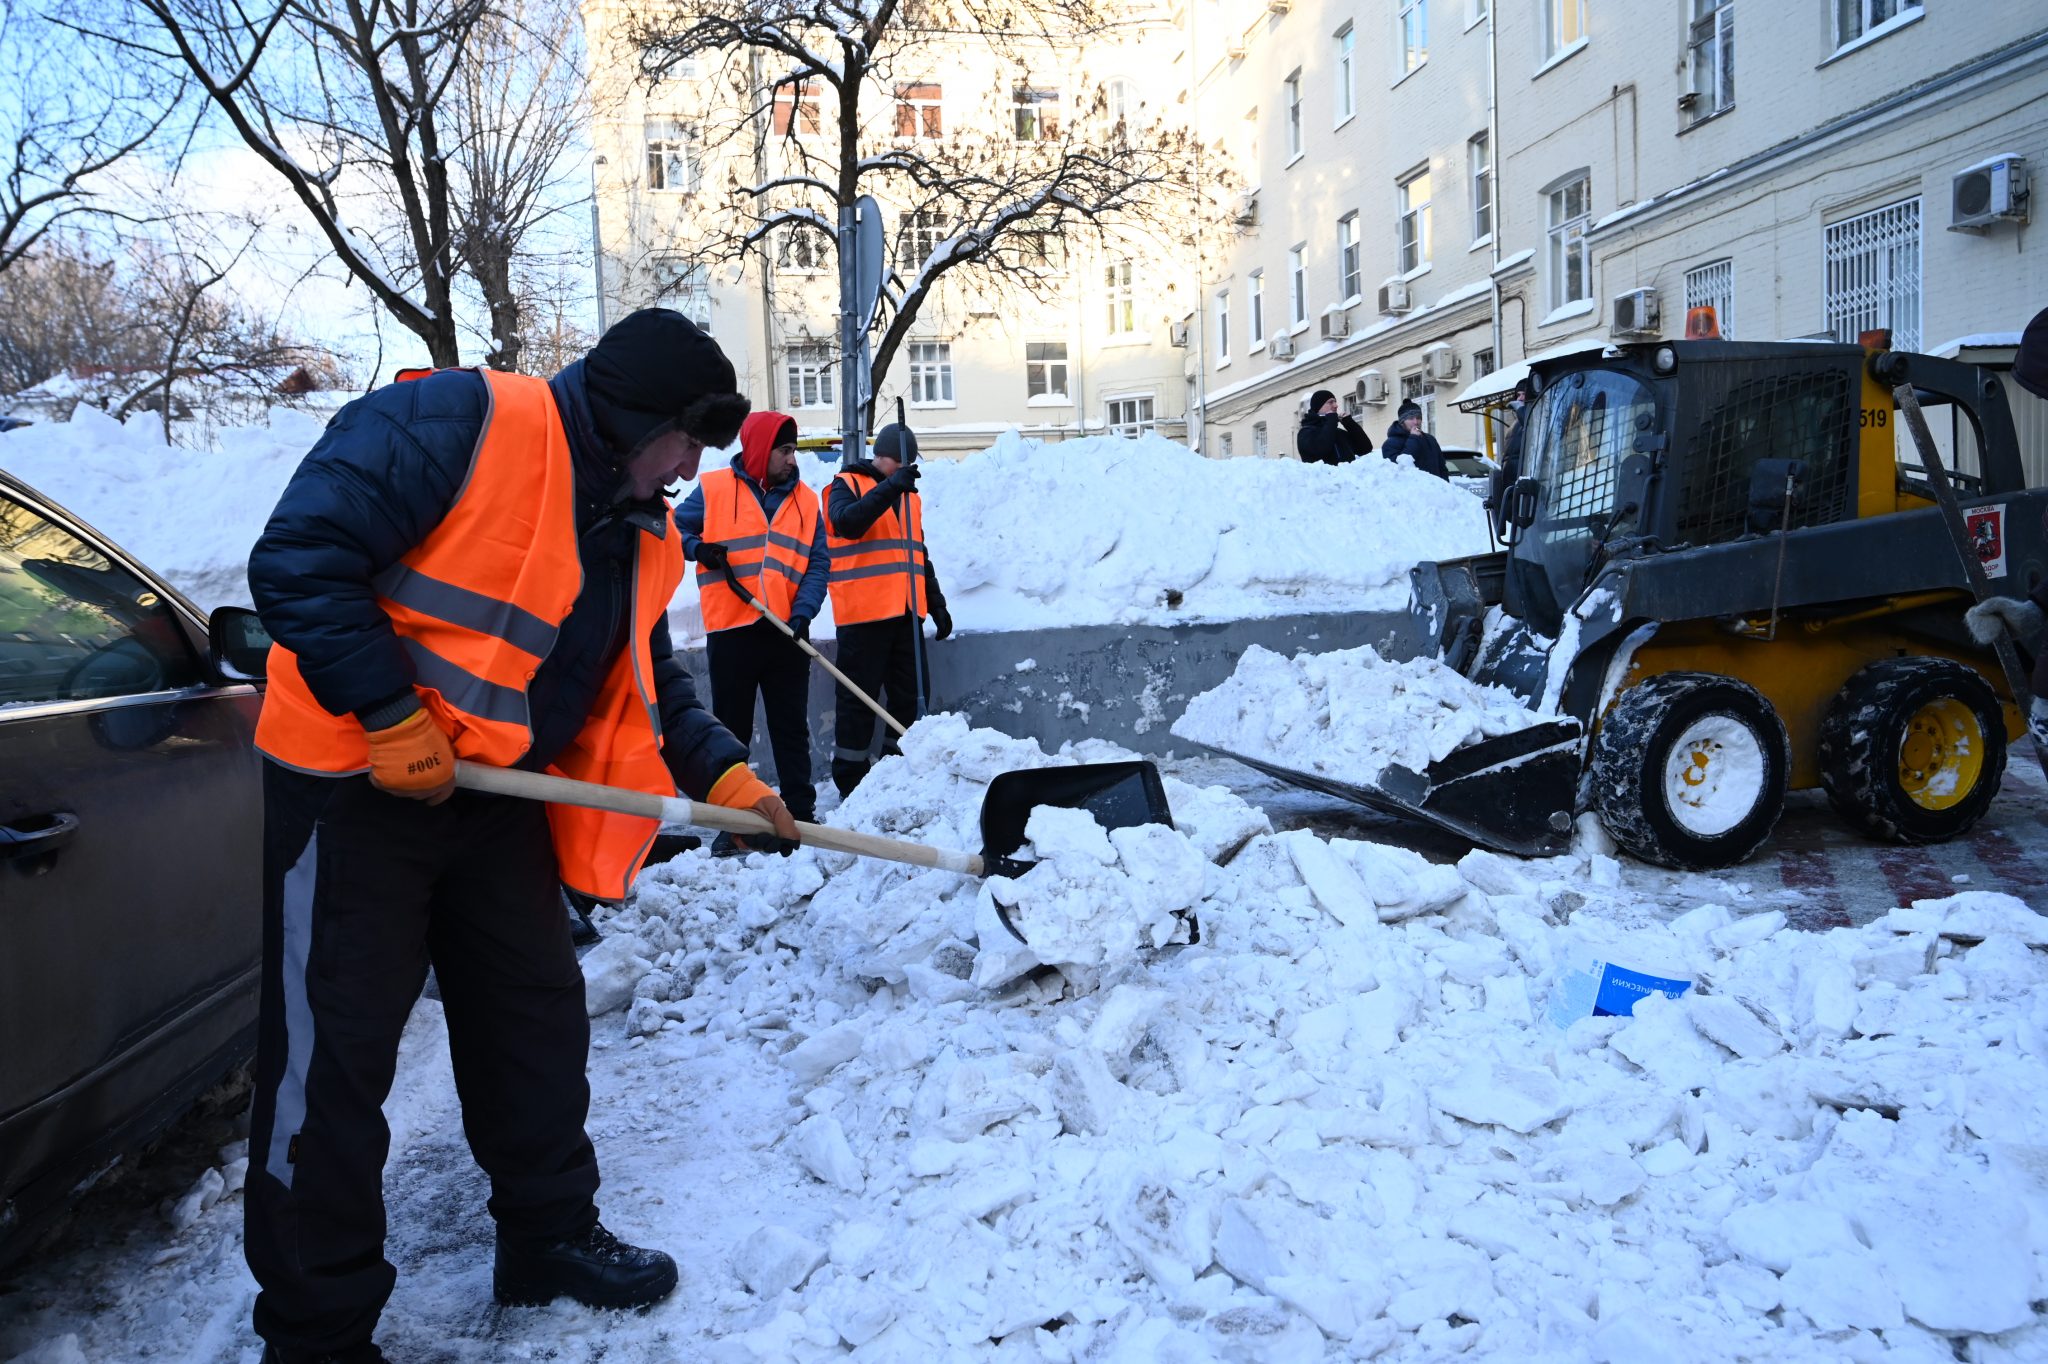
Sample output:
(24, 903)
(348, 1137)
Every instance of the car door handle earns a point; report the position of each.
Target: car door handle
(37, 835)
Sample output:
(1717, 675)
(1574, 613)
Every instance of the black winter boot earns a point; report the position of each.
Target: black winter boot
(596, 1268)
(355, 1354)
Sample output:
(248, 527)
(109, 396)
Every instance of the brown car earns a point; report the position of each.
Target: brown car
(130, 858)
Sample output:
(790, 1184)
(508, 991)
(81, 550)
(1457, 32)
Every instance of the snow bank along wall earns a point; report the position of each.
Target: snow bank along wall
(1124, 683)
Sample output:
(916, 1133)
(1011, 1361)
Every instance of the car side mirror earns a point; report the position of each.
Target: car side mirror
(1523, 499)
(238, 643)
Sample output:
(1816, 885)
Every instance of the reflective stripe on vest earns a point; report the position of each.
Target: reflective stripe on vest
(880, 575)
(769, 558)
(477, 606)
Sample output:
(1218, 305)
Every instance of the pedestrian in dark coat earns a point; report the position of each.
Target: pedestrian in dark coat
(1328, 437)
(469, 566)
(1406, 437)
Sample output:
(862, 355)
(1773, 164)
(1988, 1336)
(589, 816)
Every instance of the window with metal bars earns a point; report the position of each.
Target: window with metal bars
(1873, 274)
(1752, 411)
(1713, 286)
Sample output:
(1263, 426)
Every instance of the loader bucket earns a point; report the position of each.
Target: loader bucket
(1515, 793)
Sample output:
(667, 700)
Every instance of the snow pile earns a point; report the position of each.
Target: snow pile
(1025, 534)
(1341, 1125)
(189, 515)
(1348, 715)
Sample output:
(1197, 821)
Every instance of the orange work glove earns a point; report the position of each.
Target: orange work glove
(740, 789)
(412, 759)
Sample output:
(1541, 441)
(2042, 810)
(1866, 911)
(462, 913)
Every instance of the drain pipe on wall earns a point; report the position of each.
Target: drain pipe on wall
(1494, 160)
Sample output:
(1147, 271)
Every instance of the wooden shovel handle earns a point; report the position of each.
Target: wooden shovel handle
(507, 781)
(841, 678)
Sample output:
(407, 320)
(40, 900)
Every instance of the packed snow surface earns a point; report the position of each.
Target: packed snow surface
(1025, 534)
(1340, 1124)
(1348, 715)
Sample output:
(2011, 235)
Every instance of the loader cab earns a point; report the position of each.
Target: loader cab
(1648, 447)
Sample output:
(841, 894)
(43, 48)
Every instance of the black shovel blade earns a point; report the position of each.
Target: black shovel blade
(1119, 795)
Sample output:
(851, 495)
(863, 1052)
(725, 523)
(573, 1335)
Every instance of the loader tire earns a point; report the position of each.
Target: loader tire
(1913, 749)
(1689, 770)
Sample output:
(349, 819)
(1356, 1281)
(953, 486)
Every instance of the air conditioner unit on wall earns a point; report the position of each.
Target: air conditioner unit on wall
(1281, 347)
(1247, 210)
(1394, 297)
(1177, 334)
(1336, 324)
(1637, 313)
(1992, 191)
(1372, 388)
(1439, 363)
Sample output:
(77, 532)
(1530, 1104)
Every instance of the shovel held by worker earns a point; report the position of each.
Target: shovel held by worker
(841, 678)
(1119, 795)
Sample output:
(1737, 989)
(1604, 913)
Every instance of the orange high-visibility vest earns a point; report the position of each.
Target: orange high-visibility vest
(769, 558)
(880, 575)
(477, 606)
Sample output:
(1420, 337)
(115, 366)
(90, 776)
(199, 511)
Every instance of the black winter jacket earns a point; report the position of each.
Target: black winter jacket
(1332, 439)
(1419, 446)
(852, 516)
(383, 475)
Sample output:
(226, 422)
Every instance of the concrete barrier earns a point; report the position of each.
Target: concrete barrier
(1123, 683)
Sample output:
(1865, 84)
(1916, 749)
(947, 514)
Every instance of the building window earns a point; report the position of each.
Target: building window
(1130, 416)
(1711, 46)
(810, 376)
(1348, 281)
(1248, 147)
(1297, 286)
(1035, 113)
(917, 236)
(1415, 389)
(1259, 445)
(1045, 369)
(919, 111)
(1412, 221)
(804, 249)
(1347, 95)
(1123, 298)
(684, 287)
(1119, 110)
(1223, 327)
(1475, 10)
(671, 164)
(1255, 307)
(1414, 22)
(1564, 25)
(1479, 155)
(1713, 286)
(1293, 105)
(1040, 252)
(931, 374)
(1873, 274)
(1570, 209)
(796, 109)
(1859, 18)
(1224, 445)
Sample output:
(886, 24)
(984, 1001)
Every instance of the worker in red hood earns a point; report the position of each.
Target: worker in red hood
(755, 521)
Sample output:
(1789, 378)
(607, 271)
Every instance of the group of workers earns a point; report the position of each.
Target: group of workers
(768, 554)
(476, 567)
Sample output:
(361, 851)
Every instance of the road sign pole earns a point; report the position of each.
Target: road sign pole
(851, 445)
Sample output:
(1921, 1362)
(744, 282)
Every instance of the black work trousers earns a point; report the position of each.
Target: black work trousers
(361, 891)
(758, 658)
(879, 656)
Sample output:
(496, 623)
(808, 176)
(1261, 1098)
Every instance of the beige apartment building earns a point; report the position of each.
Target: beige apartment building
(1430, 189)
(1447, 186)
(1091, 354)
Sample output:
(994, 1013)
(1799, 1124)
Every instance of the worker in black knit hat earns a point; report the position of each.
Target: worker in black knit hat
(472, 566)
(883, 585)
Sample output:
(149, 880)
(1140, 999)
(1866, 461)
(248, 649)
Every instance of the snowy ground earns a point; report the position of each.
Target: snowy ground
(1025, 534)
(1341, 1125)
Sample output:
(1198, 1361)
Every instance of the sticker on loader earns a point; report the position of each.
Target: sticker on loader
(1987, 534)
